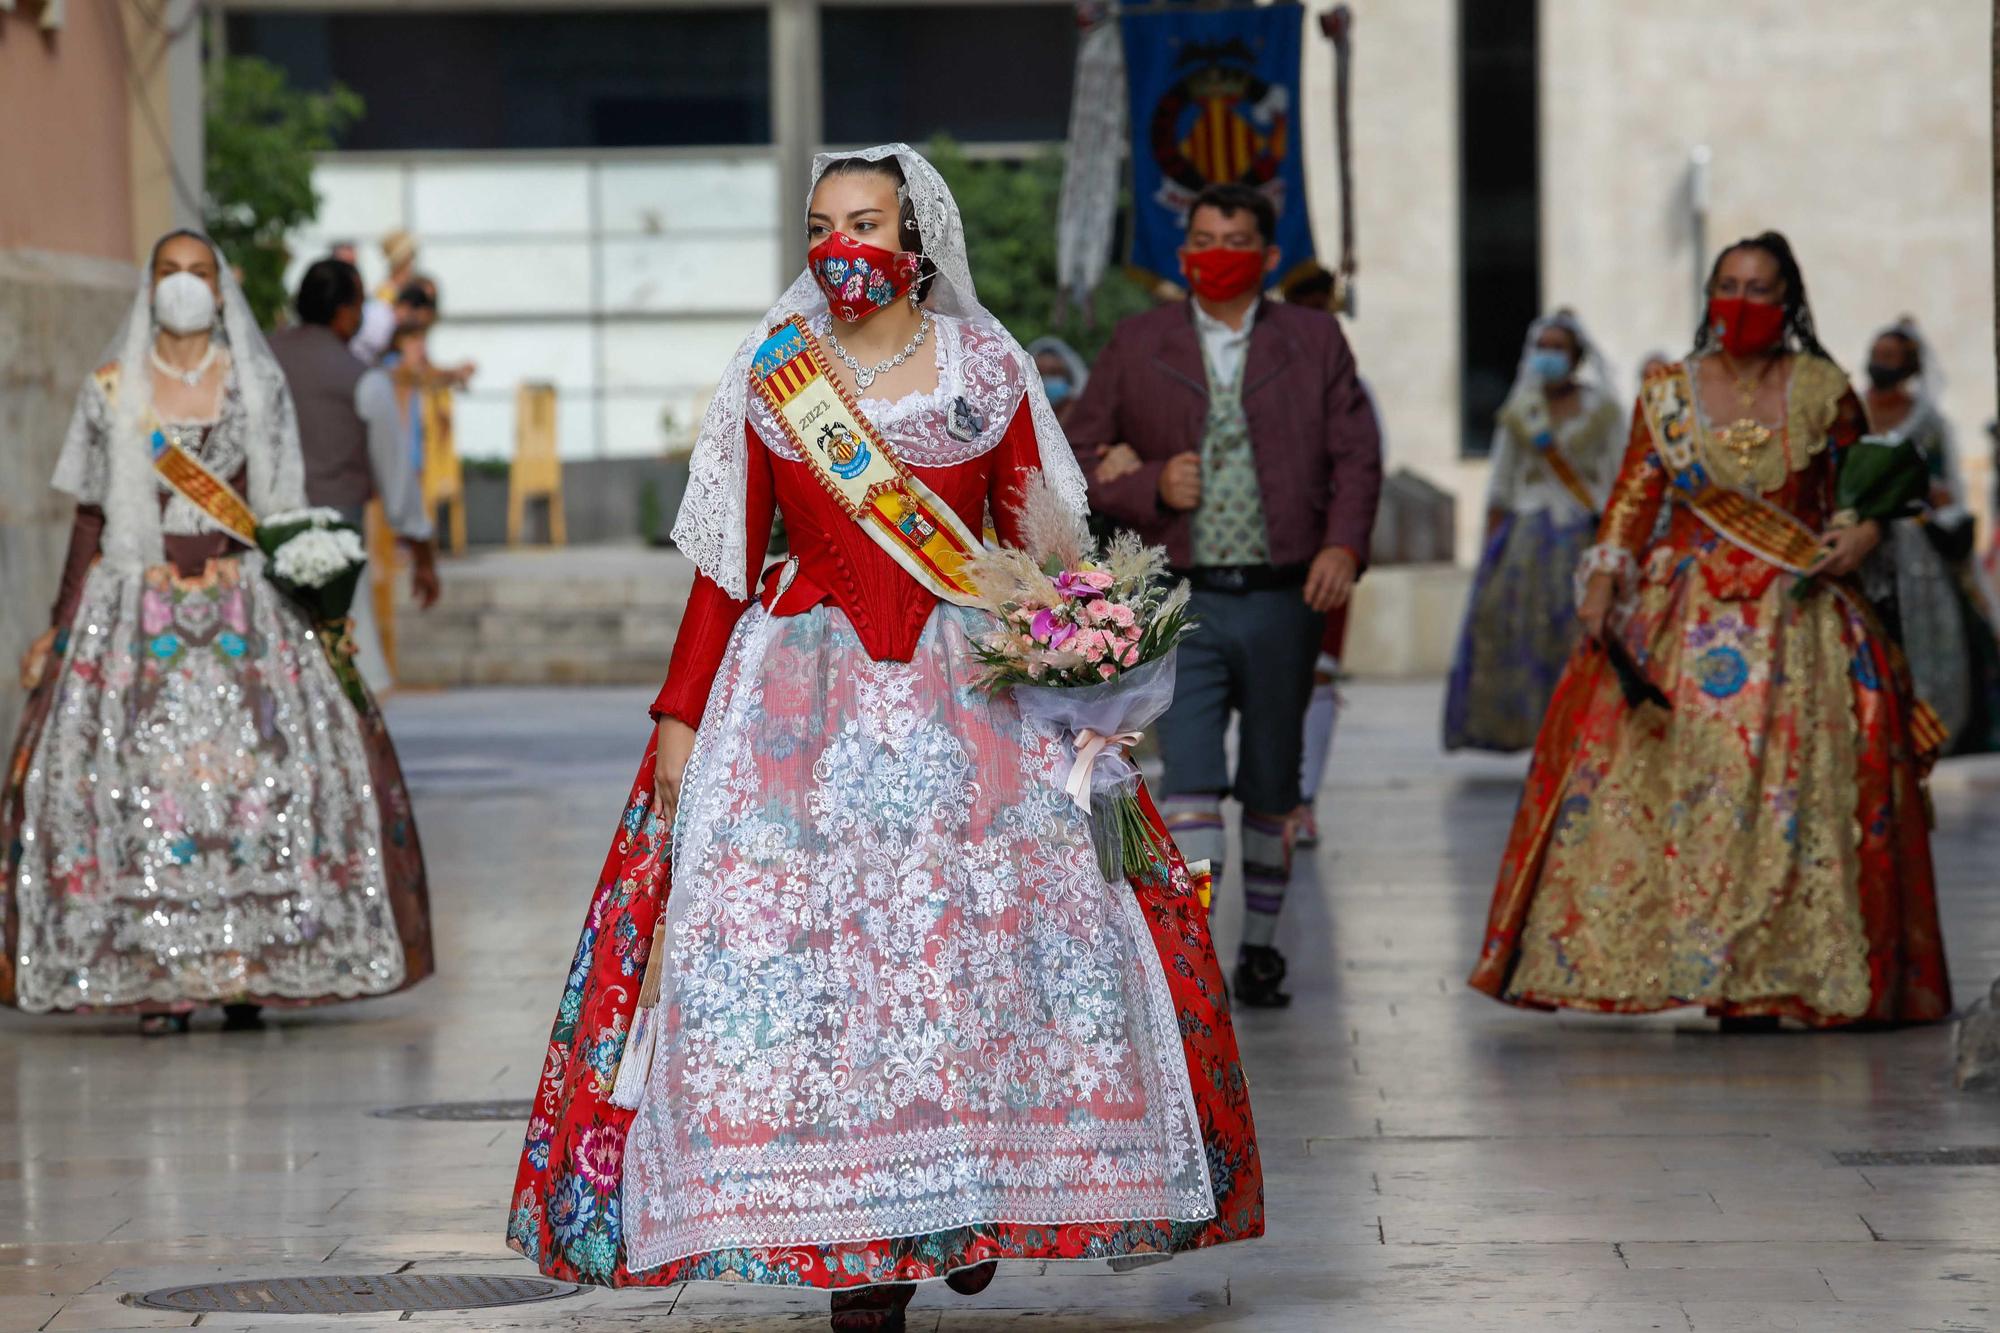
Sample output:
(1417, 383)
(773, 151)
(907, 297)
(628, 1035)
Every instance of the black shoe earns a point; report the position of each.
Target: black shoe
(971, 1281)
(877, 1308)
(242, 1018)
(1744, 1024)
(1259, 972)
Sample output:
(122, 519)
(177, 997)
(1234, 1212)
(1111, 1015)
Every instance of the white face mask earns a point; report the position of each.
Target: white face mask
(183, 303)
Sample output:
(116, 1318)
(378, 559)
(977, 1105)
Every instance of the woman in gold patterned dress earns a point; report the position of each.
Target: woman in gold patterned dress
(1759, 848)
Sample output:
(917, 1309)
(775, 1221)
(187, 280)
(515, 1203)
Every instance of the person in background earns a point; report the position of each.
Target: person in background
(1930, 585)
(1311, 287)
(1556, 447)
(1323, 710)
(1063, 372)
(197, 812)
(399, 250)
(378, 317)
(356, 448)
(1259, 468)
(1761, 847)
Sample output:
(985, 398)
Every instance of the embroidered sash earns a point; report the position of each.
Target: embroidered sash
(1532, 416)
(190, 477)
(1747, 521)
(899, 513)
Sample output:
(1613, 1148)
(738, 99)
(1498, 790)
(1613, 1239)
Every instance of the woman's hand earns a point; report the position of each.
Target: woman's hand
(1595, 612)
(675, 742)
(35, 662)
(1843, 549)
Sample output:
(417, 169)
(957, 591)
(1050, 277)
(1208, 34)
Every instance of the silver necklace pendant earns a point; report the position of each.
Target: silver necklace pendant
(865, 375)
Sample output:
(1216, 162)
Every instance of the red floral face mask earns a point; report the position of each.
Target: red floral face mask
(859, 278)
(1222, 275)
(1746, 327)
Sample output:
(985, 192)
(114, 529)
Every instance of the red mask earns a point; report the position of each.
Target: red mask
(859, 278)
(1223, 275)
(1746, 327)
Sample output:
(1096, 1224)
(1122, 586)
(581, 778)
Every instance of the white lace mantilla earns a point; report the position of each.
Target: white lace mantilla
(899, 997)
(710, 527)
(199, 824)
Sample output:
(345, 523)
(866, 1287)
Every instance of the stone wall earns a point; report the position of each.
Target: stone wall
(1860, 129)
(57, 315)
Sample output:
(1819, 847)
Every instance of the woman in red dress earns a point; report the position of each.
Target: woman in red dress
(1761, 847)
(904, 1028)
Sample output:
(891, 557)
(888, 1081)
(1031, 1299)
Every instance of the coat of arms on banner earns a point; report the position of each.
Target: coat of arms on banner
(1214, 99)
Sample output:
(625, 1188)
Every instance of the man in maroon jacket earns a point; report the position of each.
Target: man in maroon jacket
(1234, 432)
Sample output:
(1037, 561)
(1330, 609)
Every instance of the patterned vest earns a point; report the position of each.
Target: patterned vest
(1229, 523)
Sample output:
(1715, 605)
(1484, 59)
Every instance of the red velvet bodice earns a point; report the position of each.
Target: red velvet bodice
(838, 564)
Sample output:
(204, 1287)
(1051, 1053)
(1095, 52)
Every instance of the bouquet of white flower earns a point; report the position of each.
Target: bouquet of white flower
(316, 558)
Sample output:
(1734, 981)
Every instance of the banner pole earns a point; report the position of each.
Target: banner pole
(1338, 26)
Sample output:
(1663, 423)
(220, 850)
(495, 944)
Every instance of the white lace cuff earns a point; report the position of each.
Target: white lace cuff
(1607, 559)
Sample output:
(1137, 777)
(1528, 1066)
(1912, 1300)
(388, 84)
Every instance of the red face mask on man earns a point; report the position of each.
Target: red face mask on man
(1746, 327)
(1220, 275)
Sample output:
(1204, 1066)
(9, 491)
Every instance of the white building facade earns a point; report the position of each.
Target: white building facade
(1511, 156)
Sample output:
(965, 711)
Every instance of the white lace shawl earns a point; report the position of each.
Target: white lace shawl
(106, 457)
(711, 528)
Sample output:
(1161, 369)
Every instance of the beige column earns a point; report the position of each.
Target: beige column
(795, 120)
(163, 60)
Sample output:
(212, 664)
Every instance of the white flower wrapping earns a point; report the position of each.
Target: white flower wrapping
(319, 517)
(316, 557)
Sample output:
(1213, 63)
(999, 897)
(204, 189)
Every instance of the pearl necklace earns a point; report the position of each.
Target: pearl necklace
(865, 375)
(191, 378)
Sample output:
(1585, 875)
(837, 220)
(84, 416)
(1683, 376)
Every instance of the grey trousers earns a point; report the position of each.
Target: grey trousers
(1252, 655)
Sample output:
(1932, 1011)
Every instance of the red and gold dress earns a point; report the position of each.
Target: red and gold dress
(1761, 849)
(905, 1025)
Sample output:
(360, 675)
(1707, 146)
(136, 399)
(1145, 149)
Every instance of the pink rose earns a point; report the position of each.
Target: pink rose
(1107, 671)
(1130, 657)
(1097, 579)
(1097, 610)
(1121, 615)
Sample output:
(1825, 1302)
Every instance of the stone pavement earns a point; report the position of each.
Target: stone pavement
(1434, 1161)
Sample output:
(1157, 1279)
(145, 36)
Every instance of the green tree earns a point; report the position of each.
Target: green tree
(262, 135)
(1010, 236)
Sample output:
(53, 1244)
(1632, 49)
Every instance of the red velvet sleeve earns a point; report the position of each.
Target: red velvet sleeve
(1018, 453)
(711, 613)
(86, 536)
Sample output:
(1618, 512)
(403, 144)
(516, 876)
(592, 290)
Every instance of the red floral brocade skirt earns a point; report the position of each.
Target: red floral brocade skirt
(567, 1209)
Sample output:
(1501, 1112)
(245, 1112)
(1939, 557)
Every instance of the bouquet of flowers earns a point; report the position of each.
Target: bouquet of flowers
(315, 558)
(1086, 642)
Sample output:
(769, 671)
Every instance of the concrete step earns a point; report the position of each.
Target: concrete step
(602, 615)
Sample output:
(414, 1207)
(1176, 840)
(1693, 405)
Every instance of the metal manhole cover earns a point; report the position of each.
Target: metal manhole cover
(355, 1295)
(495, 1110)
(1919, 1157)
